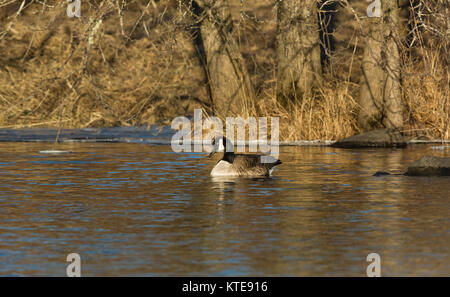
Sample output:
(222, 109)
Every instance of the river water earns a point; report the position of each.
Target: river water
(143, 210)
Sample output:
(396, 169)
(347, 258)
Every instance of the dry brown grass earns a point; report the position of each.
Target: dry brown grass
(58, 68)
(139, 66)
(427, 101)
(426, 73)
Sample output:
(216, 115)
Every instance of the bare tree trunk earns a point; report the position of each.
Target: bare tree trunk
(231, 88)
(380, 84)
(349, 48)
(298, 47)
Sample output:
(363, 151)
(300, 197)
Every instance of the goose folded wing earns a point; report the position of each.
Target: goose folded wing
(244, 163)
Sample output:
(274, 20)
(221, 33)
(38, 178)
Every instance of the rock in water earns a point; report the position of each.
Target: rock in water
(430, 166)
(381, 173)
(375, 138)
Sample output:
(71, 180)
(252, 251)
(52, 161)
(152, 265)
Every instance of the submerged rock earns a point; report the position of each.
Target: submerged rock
(430, 166)
(381, 173)
(376, 138)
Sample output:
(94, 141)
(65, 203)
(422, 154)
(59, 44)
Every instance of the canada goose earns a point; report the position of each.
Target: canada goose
(233, 164)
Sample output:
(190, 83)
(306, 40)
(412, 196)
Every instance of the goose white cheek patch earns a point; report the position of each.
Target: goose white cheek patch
(220, 147)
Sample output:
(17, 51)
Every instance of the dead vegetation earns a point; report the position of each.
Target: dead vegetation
(135, 63)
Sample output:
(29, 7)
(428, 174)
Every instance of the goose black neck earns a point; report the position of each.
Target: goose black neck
(228, 156)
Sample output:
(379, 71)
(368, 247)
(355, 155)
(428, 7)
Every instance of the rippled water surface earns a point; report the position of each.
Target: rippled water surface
(139, 209)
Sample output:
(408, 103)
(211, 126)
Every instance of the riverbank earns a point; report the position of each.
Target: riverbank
(153, 134)
(137, 65)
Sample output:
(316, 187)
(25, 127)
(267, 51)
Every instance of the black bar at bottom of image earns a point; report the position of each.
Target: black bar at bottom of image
(214, 286)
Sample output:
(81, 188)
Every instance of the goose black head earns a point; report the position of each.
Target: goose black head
(221, 144)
